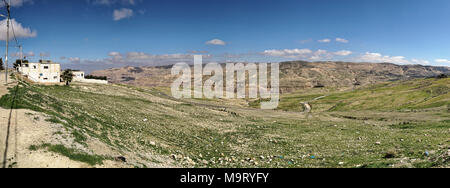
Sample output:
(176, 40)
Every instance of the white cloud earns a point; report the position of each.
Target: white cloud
(29, 54)
(112, 2)
(343, 53)
(17, 3)
(44, 54)
(320, 54)
(123, 13)
(341, 40)
(74, 59)
(19, 30)
(102, 2)
(138, 59)
(142, 58)
(25, 54)
(216, 42)
(420, 62)
(325, 41)
(114, 54)
(446, 61)
(379, 58)
(289, 53)
(306, 54)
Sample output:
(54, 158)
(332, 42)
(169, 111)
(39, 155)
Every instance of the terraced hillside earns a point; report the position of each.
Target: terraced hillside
(147, 128)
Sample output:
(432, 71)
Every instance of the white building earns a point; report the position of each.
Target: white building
(42, 72)
(78, 76)
(47, 72)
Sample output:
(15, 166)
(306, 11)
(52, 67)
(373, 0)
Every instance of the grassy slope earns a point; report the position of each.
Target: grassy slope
(227, 136)
(419, 94)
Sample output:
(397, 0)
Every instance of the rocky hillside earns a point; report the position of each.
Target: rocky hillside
(294, 76)
(89, 125)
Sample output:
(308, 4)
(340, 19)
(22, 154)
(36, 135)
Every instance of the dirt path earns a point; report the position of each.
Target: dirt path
(7, 127)
(307, 105)
(19, 129)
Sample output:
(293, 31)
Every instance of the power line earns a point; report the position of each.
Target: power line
(8, 22)
(14, 33)
(12, 29)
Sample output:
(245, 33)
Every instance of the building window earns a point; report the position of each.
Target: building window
(45, 78)
(45, 67)
(34, 67)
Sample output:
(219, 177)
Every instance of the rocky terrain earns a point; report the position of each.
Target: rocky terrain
(294, 76)
(394, 124)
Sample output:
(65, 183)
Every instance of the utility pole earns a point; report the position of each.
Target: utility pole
(8, 17)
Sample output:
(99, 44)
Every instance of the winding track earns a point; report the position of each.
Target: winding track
(307, 105)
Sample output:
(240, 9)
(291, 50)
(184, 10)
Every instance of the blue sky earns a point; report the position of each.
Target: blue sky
(113, 33)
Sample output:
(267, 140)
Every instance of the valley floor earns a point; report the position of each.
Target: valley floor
(89, 125)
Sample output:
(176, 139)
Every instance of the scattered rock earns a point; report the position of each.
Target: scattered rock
(390, 155)
(176, 157)
(121, 159)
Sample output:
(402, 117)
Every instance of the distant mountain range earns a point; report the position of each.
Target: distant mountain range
(295, 75)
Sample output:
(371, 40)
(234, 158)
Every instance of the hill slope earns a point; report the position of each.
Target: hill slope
(151, 129)
(294, 75)
(412, 95)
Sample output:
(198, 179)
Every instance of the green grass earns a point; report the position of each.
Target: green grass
(71, 154)
(238, 137)
(417, 94)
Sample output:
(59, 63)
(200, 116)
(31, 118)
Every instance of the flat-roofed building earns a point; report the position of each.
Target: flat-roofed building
(42, 72)
(78, 76)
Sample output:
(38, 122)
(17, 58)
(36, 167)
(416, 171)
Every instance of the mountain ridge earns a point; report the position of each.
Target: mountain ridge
(294, 75)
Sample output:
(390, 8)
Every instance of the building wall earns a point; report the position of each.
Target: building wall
(78, 76)
(42, 72)
(92, 81)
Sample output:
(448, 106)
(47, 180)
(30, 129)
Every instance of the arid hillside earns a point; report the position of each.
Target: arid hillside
(294, 76)
(89, 125)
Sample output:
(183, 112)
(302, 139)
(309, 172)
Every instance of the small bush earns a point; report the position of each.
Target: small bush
(96, 77)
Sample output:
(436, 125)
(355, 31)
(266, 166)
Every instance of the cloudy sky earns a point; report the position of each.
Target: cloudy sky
(98, 34)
